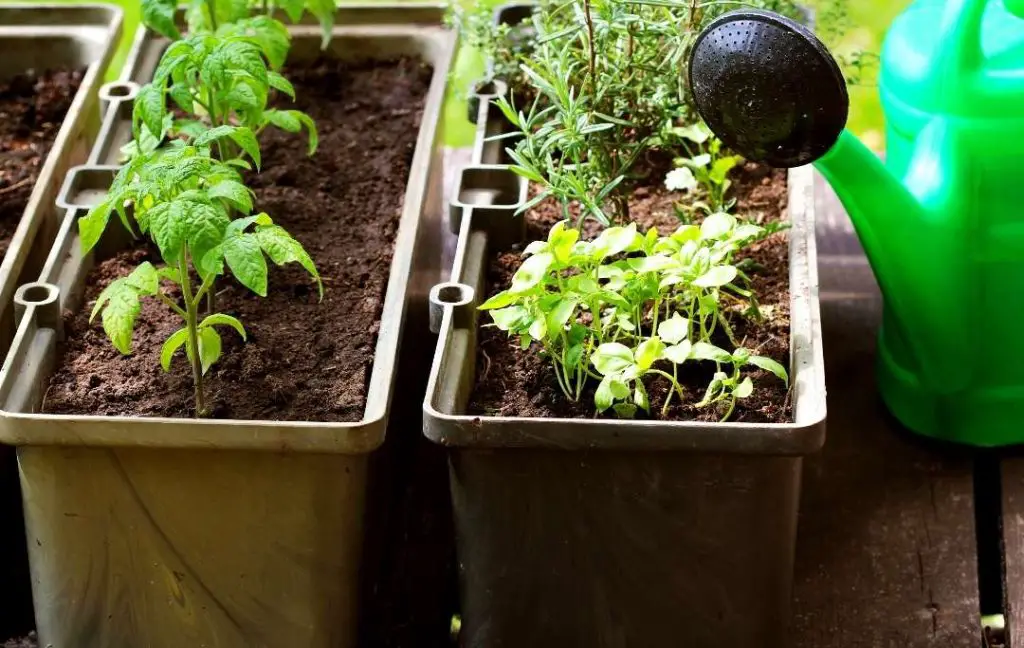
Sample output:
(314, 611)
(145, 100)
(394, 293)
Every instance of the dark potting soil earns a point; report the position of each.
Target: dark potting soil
(514, 382)
(32, 109)
(305, 360)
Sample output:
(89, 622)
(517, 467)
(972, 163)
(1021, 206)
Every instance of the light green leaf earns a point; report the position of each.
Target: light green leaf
(561, 312)
(223, 320)
(282, 248)
(324, 12)
(292, 8)
(209, 347)
(93, 224)
(722, 167)
(674, 329)
(508, 319)
(172, 344)
(615, 240)
(500, 300)
(168, 226)
(144, 279)
(292, 121)
(769, 365)
(649, 351)
(244, 257)
(705, 351)
(625, 410)
(612, 358)
(678, 353)
(606, 390)
(121, 307)
(652, 263)
(717, 225)
(696, 133)
(744, 389)
(531, 273)
(538, 328)
(716, 276)
(206, 227)
(640, 397)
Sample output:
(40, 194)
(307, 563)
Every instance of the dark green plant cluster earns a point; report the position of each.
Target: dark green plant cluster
(182, 183)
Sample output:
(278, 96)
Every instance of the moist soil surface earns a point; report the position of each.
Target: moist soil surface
(32, 109)
(304, 360)
(520, 383)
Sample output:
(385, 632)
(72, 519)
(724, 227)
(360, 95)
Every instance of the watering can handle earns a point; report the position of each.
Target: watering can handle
(960, 52)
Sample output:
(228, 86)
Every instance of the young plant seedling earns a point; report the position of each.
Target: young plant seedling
(179, 198)
(626, 307)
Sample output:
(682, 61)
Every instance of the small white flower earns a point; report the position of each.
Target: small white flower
(680, 179)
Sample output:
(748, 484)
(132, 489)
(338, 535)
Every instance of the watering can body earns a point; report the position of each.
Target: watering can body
(951, 344)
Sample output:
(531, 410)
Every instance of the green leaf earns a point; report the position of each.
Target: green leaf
(640, 397)
(120, 303)
(501, 300)
(649, 351)
(705, 351)
(603, 397)
(538, 328)
(242, 97)
(531, 273)
(561, 313)
(694, 132)
(292, 121)
(717, 225)
(674, 329)
(292, 8)
(246, 141)
(206, 226)
(209, 347)
(144, 279)
(510, 318)
(158, 15)
(744, 389)
(93, 224)
(149, 110)
(625, 410)
(615, 240)
(721, 168)
(769, 365)
(282, 248)
(716, 276)
(324, 12)
(168, 225)
(236, 193)
(652, 263)
(172, 344)
(612, 358)
(679, 353)
(278, 82)
(223, 320)
(182, 96)
(245, 258)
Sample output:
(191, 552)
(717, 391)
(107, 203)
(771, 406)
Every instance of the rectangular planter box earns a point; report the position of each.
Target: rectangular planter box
(612, 533)
(38, 36)
(176, 532)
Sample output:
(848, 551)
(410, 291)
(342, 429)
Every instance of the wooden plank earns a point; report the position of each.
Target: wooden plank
(886, 551)
(1013, 538)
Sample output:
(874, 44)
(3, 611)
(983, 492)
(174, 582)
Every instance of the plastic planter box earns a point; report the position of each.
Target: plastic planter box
(36, 36)
(176, 532)
(613, 533)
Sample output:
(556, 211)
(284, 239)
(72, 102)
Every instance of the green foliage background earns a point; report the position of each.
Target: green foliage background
(865, 26)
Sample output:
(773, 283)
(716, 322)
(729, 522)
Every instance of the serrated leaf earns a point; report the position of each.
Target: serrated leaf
(93, 224)
(158, 15)
(278, 82)
(292, 121)
(144, 279)
(292, 8)
(230, 11)
(244, 257)
(282, 248)
(324, 12)
(705, 351)
(209, 347)
(246, 140)
(168, 227)
(769, 365)
(206, 227)
(242, 97)
(182, 96)
(221, 319)
(120, 305)
(236, 193)
(612, 358)
(171, 345)
(149, 110)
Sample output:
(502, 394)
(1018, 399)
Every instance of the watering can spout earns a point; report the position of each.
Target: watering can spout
(770, 90)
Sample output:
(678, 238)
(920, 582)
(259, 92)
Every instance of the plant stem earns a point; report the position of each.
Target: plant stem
(191, 326)
(592, 46)
(211, 6)
(728, 412)
(668, 399)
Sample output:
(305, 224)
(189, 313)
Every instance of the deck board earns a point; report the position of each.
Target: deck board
(886, 550)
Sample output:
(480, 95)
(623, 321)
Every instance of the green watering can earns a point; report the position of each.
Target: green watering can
(941, 220)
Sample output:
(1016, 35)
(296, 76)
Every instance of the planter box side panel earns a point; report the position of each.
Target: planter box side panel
(614, 550)
(136, 547)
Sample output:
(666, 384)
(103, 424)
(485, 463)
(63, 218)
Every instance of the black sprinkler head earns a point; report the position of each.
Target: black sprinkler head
(768, 88)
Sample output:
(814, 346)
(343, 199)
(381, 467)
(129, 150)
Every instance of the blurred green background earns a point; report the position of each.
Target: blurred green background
(862, 24)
